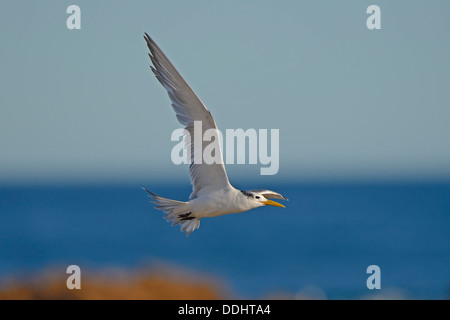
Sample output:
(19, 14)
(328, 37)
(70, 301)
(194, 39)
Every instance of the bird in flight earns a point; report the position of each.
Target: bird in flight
(212, 193)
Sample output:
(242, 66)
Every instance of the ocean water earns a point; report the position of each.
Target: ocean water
(321, 244)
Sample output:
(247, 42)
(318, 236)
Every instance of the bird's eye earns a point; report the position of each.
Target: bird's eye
(257, 197)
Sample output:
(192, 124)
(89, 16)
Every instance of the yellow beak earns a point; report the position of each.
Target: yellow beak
(273, 203)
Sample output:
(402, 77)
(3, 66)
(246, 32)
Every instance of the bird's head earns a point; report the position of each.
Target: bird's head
(260, 197)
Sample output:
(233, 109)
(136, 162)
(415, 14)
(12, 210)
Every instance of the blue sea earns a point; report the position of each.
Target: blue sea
(321, 244)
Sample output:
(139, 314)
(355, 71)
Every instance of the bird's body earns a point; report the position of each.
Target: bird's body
(212, 194)
(220, 202)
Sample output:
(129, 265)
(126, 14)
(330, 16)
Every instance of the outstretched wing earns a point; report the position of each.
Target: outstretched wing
(189, 108)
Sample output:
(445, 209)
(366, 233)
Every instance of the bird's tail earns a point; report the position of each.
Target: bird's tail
(176, 212)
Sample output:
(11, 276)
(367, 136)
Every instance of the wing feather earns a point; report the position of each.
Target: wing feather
(188, 108)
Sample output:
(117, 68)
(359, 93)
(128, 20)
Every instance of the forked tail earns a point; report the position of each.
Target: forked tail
(176, 212)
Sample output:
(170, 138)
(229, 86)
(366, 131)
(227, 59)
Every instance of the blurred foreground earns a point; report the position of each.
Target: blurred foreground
(163, 282)
(153, 284)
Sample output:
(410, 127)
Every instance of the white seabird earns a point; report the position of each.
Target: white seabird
(212, 193)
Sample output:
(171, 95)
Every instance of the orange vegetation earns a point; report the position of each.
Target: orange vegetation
(151, 284)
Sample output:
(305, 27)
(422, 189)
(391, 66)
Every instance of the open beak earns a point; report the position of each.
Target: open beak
(273, 203)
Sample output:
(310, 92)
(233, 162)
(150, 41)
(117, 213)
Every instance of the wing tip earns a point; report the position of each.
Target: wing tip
(146, 190)
(150, 42)
(147, 37)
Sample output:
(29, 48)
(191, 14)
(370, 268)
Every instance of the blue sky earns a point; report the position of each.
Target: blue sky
(350, 103)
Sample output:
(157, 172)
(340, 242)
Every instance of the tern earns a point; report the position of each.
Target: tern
(212, 194)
